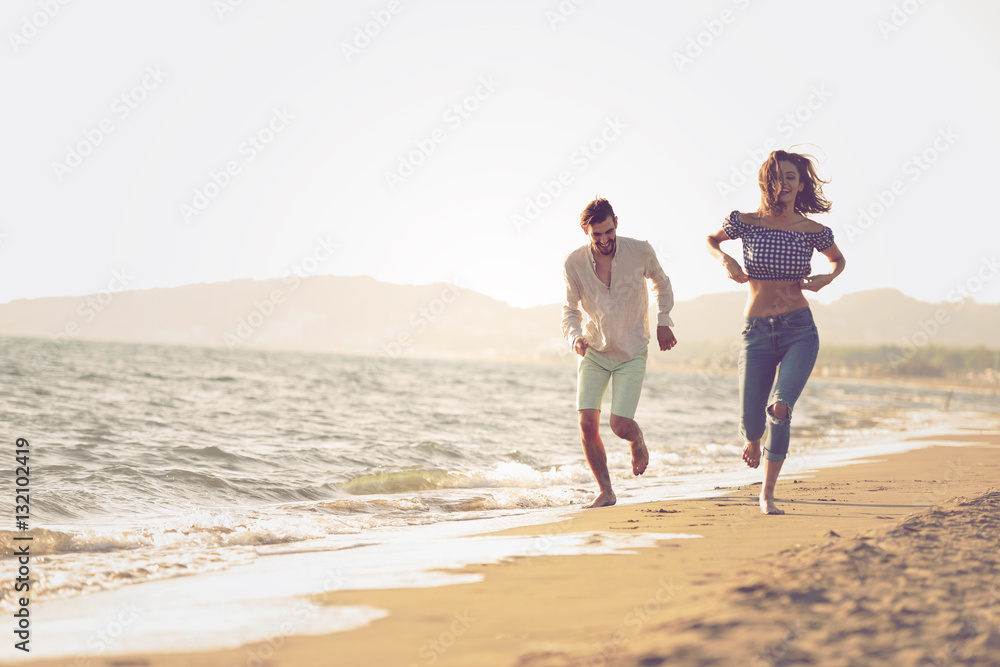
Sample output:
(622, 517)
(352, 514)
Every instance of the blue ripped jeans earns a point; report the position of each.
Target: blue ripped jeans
(786, 343)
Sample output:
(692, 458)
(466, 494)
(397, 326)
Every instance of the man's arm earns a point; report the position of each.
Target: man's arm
(664, 299)
(571, 320)
(661, 288)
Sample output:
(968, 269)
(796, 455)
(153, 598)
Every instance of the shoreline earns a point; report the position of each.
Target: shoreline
(601, 609)
(614, 610)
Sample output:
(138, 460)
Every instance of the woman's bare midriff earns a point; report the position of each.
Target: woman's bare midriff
(771, 297)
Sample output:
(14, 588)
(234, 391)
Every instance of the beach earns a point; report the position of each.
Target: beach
(296, 296)
(891, 560)
(192, 506)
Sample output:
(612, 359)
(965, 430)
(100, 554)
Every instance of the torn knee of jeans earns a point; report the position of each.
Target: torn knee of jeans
(772, 409)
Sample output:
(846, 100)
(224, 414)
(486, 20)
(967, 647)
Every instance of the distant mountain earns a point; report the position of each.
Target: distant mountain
(361, 315)
(357, 315)
(889, 317)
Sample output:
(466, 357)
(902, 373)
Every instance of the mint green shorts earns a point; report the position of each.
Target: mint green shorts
(593, 372)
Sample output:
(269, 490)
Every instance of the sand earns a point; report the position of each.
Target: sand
(893, 561)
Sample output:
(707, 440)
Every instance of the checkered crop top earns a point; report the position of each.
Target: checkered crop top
(776, 254)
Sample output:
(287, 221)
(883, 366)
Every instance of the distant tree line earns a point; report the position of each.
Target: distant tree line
(929, 361)
(979, 364)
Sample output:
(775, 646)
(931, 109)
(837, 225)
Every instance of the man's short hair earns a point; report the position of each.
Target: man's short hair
(596, 212)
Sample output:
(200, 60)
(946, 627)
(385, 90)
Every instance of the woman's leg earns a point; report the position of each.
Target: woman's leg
(799, 347)
(799, 356)
(771, 471)
(757, 365)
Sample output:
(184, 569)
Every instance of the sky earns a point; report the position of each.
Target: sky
(164, 144)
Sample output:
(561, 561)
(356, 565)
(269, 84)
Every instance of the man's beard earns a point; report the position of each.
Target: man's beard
(610, 248)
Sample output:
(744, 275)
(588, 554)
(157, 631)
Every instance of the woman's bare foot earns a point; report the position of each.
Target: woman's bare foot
(767, 506)
(640, 456)
(751, 453)
(606, 499)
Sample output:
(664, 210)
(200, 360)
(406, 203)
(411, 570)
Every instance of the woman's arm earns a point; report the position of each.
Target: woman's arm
(733, 268)
(817, 282)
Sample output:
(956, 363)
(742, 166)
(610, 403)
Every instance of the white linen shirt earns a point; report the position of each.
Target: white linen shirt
(618, 315)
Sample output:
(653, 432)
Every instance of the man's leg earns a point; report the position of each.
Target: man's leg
(626, 386)
(597, 458)
(627, 429)
(592, 383)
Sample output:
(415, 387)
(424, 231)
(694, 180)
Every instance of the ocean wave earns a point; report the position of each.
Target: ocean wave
(515, 499)
(313, 519)
(43, 542)
(207, 530)
(508, 474)
(373, 505)
(399, 482)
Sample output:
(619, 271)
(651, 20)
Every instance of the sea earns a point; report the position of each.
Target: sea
(170, 473)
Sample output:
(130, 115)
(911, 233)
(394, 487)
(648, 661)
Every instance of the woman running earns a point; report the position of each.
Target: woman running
(779, 335)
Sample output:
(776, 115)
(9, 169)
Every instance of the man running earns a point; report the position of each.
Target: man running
(608, 276)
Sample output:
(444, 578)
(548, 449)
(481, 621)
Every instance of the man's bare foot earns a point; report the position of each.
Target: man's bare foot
(640, 456)
(767, 506)
(751, 454)
(606, 499)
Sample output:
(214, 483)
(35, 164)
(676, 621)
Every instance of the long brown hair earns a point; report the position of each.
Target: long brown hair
(810, 200)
